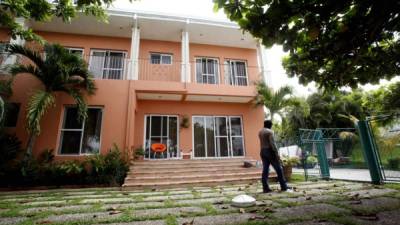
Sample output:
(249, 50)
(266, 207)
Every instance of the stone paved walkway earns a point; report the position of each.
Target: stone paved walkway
(311, 203)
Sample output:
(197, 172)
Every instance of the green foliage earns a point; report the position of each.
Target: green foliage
(348, 141)
(290, 161)
(139, 151)
(111, 168)
(47, 156)
(59, 71)
(274, 101)
(394, 163)
(334, 43)
(10, 146)
(311, 160)
(44, 11)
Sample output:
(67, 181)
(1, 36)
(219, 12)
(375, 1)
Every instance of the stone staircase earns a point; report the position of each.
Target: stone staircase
(184, 173)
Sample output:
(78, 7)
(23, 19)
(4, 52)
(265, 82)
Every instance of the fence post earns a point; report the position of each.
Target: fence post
(370, 151)
(322, 158)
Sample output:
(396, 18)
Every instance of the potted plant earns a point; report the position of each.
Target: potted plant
(310, 162)
(288, 163)
(139, 153)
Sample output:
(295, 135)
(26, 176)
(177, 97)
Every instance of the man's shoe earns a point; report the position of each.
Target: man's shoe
(288, 189)
(267, 190)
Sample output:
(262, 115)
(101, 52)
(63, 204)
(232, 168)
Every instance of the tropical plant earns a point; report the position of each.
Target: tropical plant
(274, 101)
(334, 43)
(1, 109)
(290, 161)
(348, 140)
(58, 71)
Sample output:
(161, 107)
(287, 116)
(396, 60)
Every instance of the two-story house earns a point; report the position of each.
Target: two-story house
(187, 83)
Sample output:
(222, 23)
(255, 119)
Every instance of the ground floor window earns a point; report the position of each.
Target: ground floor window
(161, 130)
(80, 137)
(218, 136)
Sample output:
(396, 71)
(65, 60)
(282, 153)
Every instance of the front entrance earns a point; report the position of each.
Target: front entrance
(217, 137)
(162, 129)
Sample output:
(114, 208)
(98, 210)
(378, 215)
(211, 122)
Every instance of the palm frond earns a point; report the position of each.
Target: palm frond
(1, 109)
(80, 102)
(34, 56)
(22, 68)
(38, 105)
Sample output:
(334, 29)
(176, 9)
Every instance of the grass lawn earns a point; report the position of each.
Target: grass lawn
(328, 201)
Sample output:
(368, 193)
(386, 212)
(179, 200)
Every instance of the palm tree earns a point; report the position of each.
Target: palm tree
(58, 71)
(1, 109)
(274, 101)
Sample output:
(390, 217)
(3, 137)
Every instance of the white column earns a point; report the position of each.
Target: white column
(185, 68)
(17, 40)
(262, 64)
(133, 72)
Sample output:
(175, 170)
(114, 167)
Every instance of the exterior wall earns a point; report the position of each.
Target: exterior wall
(221, 53)
(88, 42)
(4, 35)
(253, 118)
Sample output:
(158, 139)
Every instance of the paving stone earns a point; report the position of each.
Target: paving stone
(310, 199)
(165, 211)
(375, 204)
(11, 220)
(107, 200)
(173, 197)
(218, 219)
(201, 200)
(55, 209)
(58, 202)
(314, 223)
(80, 217)
(306, 211)
(370, 192)
(147, 222)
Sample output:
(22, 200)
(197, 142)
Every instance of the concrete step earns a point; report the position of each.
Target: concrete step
(196, 171)
(183, 166)
(205, 182)
(185, 170)
(190, 162)
(190, 177)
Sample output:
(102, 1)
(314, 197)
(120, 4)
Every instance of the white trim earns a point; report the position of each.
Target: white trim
(62, 129)
(235, 73)
(76, 49)
(161, 55)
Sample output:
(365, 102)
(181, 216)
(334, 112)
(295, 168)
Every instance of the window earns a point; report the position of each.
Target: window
(11, 114)
(217, 136)
(161, 129)
(107, 64)
(81, 137)
(207, 70)
(77, 51)
(160, 58)
(236, 73)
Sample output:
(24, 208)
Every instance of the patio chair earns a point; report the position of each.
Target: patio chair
(158, 148)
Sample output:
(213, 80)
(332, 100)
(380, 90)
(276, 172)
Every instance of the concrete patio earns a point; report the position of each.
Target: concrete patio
(322, 202)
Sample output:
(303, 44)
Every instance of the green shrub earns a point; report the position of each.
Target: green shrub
(393, 163)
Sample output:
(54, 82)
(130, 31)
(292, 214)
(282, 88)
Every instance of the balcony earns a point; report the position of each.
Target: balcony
(103, 66)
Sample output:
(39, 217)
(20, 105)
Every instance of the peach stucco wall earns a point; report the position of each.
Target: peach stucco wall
(252, 120)
(4, 35)
(123, 114)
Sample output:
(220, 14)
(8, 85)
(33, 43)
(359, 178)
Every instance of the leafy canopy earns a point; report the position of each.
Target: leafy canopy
(44, 11)
(332, 42)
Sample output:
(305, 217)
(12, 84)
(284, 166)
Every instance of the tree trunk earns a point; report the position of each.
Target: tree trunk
(29, 146)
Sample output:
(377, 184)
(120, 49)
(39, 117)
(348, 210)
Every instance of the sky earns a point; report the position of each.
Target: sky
(204, 9)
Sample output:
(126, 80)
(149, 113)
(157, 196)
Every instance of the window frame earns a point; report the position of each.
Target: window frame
(228, 137)
(64, 113)
(76, 48)
(217, 75)
(161, 55)
(104, 68)
(230, 67)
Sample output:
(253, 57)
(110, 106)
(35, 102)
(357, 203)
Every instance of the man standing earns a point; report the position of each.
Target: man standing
(270, 156)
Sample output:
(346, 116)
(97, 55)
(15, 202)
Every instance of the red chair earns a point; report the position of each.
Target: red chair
(158, 148)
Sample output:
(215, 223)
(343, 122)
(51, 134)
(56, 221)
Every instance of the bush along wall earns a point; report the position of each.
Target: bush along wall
(109, 169)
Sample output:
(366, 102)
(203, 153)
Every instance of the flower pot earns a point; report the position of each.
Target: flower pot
(139, 158)
(287, 172)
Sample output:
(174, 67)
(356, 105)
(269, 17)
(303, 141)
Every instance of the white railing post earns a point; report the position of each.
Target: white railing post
(185, 65)
(262, 64)
(133, 69)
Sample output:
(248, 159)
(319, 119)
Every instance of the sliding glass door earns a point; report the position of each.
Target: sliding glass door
(217, 136)
(161, 129)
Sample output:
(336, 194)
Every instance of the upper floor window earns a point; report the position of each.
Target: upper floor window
(236, 72)
(76, 51)
(80, 137)
(161, 58)
(207, 70)
(107, 64)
